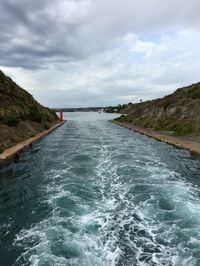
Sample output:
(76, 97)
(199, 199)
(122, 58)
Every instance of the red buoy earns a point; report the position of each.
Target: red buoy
(61, 116)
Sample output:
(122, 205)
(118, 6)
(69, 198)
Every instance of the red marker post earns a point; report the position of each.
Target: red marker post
(61, 116)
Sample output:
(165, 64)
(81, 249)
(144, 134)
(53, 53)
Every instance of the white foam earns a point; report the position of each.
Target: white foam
(126, 214)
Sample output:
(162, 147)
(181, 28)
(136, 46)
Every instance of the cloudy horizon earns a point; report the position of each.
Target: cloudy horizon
(79, 53)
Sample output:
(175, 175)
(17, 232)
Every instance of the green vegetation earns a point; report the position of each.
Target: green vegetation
(195, 94)
(121, 108)
(177, 113)
(11, 120)
(20, 114)
(35, 114)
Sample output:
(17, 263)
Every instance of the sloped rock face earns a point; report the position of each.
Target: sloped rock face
(21, 116)
(178, 112)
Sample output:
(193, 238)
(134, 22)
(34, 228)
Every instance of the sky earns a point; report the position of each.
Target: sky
(78, 53)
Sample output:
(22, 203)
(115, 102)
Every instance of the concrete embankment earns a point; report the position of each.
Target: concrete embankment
(10, 154)
(180, 142)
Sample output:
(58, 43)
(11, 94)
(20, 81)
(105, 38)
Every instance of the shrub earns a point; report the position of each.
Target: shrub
(157, 127)
(11, 120)
(167, 104)
(182, 129)
(196, 94)
(46, 126)
(35, 114)
(121, 118)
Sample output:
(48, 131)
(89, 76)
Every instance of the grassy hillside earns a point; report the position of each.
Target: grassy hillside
(177, 113)
(21, 116)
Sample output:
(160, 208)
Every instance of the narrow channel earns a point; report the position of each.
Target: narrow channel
(93, 193)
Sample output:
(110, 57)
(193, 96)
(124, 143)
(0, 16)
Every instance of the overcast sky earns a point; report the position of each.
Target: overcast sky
(70, 53)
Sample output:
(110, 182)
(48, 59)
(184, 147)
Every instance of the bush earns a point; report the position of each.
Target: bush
(35, 114)
(11, 120)
(182, 129)
(46, 126)
(122, 118)
(196, 94)
(167, 104)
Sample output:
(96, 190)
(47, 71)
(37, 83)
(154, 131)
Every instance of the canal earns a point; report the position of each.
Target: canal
(92, 193)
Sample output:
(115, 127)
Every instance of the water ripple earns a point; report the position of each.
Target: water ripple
(92, 193)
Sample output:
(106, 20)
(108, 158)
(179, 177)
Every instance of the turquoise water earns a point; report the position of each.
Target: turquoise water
(92, 193)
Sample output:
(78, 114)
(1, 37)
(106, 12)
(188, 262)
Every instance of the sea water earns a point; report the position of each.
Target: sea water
(93, 193)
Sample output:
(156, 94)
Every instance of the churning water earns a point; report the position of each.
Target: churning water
(92, 193)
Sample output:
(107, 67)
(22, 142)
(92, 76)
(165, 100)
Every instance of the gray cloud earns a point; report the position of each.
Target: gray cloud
(34, 31)
(113, 49)
(30, 36)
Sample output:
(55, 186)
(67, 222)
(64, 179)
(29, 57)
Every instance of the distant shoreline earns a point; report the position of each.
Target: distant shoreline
(11, 153)
(181, 142)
